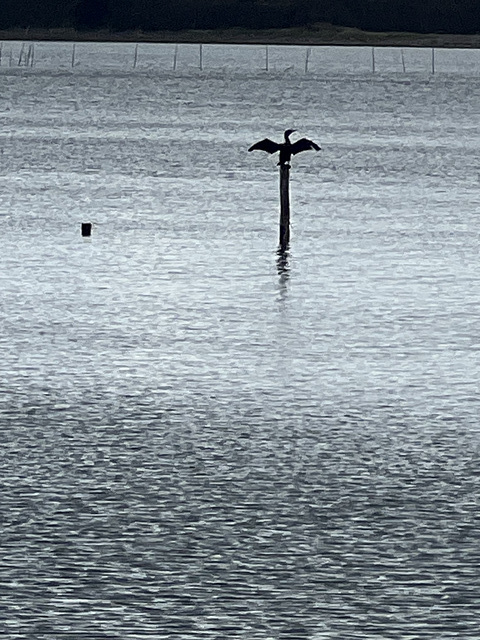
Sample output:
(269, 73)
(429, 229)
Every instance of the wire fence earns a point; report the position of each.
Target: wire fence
(248, 58)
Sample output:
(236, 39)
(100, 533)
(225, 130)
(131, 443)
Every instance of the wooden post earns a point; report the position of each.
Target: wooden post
(201, 57)
(135, 57)
(73, 55)
(403, 61)
(175, 56)
(284, 206)
(22, 54)
(307, 57)
(86, 229)
(373, 59)
(433, 60)
(266, 57)
(31, 54)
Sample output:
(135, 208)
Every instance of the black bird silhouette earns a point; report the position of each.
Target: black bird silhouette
(287, 149)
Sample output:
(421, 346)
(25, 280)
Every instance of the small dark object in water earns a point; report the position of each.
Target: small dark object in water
(86, 229)
(287, 149)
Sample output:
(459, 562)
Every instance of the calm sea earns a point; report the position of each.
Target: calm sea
(204, 439)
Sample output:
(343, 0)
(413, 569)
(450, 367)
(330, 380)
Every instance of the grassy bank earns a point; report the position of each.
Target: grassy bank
(319, 34)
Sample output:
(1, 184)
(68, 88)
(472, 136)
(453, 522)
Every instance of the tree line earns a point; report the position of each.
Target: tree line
(427, 16)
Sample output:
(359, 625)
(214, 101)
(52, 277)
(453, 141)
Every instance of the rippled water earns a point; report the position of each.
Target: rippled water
(202, 438)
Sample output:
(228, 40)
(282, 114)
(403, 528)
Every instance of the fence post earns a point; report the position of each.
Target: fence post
(22, 54)
(307, 58)
(175, 56)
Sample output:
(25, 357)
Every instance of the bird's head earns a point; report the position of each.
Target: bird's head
(288, 133)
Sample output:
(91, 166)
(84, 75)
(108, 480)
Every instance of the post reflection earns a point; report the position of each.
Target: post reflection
(283, 270)
(283, 266)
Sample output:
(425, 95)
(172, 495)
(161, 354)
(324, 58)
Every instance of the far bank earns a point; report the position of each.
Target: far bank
(320, 34)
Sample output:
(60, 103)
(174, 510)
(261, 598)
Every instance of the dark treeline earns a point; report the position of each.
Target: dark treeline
(425, 16)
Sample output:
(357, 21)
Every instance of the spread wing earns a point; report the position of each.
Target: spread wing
(303, 145)
(265, 145)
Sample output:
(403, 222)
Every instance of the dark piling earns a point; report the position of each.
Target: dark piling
(86, 229)
(284, 205)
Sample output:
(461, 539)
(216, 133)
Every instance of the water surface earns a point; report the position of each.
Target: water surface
(203, 438)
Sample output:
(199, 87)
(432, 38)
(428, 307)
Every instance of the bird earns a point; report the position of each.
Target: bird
(287, 149)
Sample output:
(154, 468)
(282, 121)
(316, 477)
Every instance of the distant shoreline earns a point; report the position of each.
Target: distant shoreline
(321, 35)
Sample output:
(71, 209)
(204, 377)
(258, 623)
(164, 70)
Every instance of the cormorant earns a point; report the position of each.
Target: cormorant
(287, 149)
